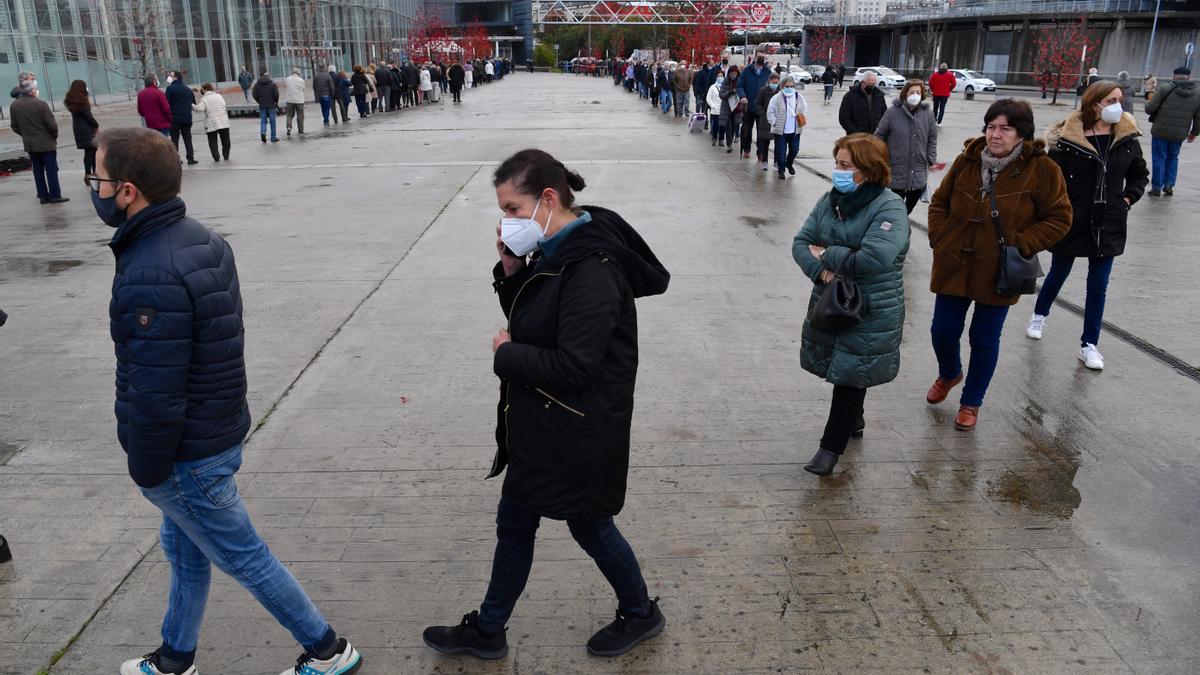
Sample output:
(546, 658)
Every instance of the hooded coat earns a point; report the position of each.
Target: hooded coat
(266, 93)
(911, 137)
(860, 112)
(1034, 215)
(567, 378)
(1098, 187)
(1176, 110)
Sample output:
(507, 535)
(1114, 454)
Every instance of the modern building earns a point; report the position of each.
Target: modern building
(110, 44)
(509, 23)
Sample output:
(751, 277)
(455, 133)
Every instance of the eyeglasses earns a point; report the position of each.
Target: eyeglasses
(94, 182)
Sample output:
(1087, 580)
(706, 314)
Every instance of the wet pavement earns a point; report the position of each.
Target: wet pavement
(1058, 537)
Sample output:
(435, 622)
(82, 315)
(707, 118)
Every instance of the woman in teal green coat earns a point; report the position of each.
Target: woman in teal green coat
(859, 229)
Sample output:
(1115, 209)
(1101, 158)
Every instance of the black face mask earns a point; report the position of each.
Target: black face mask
(760, 63)
(870, 88)
(942, 70)
(725, 63)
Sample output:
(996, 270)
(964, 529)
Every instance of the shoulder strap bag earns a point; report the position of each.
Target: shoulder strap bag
(1166, 96)
(1017, 274)
(840, 306)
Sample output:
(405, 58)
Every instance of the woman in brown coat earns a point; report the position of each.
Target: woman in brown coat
(1034, 212)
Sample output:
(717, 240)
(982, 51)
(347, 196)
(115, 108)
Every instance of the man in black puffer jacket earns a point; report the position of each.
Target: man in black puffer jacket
(176, 321)
(267, 95)
(862, 107)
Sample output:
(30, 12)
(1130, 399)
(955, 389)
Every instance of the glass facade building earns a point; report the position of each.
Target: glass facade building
(110, 44)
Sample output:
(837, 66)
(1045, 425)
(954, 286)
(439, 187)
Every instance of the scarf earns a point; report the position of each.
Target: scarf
(991, 165)
(845, 205)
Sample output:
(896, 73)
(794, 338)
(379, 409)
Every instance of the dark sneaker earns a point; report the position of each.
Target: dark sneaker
(1169, 190)
(1155, 192)
(626, 632)
(465, 638)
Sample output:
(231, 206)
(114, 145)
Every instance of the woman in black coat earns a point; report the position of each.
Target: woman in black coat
(566, 280)
(360, 86)
(1098, 151)
(83, 124)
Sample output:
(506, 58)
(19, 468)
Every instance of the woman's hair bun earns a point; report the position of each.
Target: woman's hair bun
(575, 181)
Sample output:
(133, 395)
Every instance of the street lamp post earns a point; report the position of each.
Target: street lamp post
(1153, 33)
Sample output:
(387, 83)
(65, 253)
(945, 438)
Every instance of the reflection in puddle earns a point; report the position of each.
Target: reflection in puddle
(1045, 483)
(35, 267)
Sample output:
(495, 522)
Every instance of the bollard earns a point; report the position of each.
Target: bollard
(5, 553)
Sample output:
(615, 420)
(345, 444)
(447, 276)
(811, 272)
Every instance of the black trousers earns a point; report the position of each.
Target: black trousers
(749, 123)
(184, 130)
(89, 161)
(845, 417)
(939, 107)
(911, 197)
(223, 134)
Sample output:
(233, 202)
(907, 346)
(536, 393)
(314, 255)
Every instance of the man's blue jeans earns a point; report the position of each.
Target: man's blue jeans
(516, 529)
(45, 174)
(1099, 270)
(263, 115)
(949, 318)
(664, 100)
(1165, 162)
(205, 523)
(326, 104)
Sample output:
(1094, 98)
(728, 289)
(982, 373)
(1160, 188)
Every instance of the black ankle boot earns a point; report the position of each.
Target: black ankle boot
(465, 638)
(822, 463)
(627, 632)
(859, 429)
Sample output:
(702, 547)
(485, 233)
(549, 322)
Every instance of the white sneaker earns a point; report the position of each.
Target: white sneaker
(1091, 357)
(764, 166)
(146, 666)
(347, 660)
(1037, 324)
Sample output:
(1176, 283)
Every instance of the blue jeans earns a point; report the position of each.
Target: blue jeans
(664, 100)
(45, 174)
(1165, 162)
(828, 92)
(516, 528)
(263, 115)
(714, 123)
(204, 523)
(786, 147)
(1099, 270)
(326, 103)
(949, 318)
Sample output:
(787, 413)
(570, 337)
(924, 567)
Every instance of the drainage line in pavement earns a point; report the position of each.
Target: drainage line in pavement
(1148, 348)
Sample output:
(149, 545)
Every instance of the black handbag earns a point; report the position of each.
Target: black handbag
(1017, 275)
(840, 305)
(1166, 96)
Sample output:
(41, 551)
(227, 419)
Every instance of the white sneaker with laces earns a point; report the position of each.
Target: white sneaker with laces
(1037, 324)
(346, 661)
(764, 166)
(147, 666)
(1091, 357)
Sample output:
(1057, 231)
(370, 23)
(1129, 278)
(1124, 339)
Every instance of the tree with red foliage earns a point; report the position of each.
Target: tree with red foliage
(704, 37)
(428, 38)
(1059, 55)
(826, 43)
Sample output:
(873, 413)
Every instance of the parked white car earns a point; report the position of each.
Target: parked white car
(800, 74)
(969, 80)
(887, 76)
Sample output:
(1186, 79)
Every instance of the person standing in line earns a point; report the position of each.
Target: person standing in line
(713, 102)
(682, 78)
(83, 124)
(372, 89)
(910, 131)
(457, 77)
(468, 75)
(245, 81)
(783, 115)
(568, 279)
(828, 78)
(323, 92)
(344, 88)
(32, 120)
(360, 87)
(663, 82)
(862, 106)
(216, 120)
(383, 83)
(1149, 86)
(426, 85)
(153, 107)
(763, 98)
(295, 100)
(181, 99)
(941, 84)
(858, 228)
(1176, 112)
(1126, 85)
(267, 95)
(1097, 148)
(732, 107)
(1034, 213)
(749, 83)
(489, 71)
(701, 81)
(175, 319)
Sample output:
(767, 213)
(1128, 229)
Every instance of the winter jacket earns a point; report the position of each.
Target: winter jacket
(865, 236)
(1098, 189)
(828, 76)
(701, 81)
(84, 126)
(212, 105)
(180, 98)
(942, 83)
(713, 99)
(457, 76)
(860, 113)
(1126, 95)
(266, 93)
(246, 80)
(567, 377)
(295, 89)
(32, 120)
(779, 108)
(682, 77)
(749, 82)
(1034, 213)
(763, 99)
(1176, 110)
(426, 82)
(729, 102)
(176, 321)
(322, 84)
(153, 107)
(359, 85)
(343, 88)
(911, 137)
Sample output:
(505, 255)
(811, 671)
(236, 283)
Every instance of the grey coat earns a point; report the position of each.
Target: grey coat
(911, 137)
(322, 84)
(34, 123)
(1176, 110)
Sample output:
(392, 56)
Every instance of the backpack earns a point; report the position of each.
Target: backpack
(696, 124)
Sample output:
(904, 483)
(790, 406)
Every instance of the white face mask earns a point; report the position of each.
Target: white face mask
(1111, 113)
(914, 100)
(522, 235)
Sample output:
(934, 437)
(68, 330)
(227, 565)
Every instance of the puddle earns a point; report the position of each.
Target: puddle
(753, 221)
(8, 451)
(1046, 483)
(35, 267)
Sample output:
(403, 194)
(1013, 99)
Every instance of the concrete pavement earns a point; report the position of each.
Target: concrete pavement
(1058, 537)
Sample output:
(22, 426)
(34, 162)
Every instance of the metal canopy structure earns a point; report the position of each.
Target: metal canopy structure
(765, 15)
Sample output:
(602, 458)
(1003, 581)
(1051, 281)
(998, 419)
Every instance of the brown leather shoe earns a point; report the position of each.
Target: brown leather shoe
(941, 389)
(745, 155)
(966, 418)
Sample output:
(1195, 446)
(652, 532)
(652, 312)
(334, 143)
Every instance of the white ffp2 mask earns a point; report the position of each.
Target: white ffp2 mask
(1111, 114)
(522, 235)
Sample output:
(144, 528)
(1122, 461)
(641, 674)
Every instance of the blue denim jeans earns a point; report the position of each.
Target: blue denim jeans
(665, 98)
(205, 523)
(1164, 157)
(1099, 270)
(45, 174)
(786, 147)
(326, 104)
(949, 319)
(516, 529)
(265, 114)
